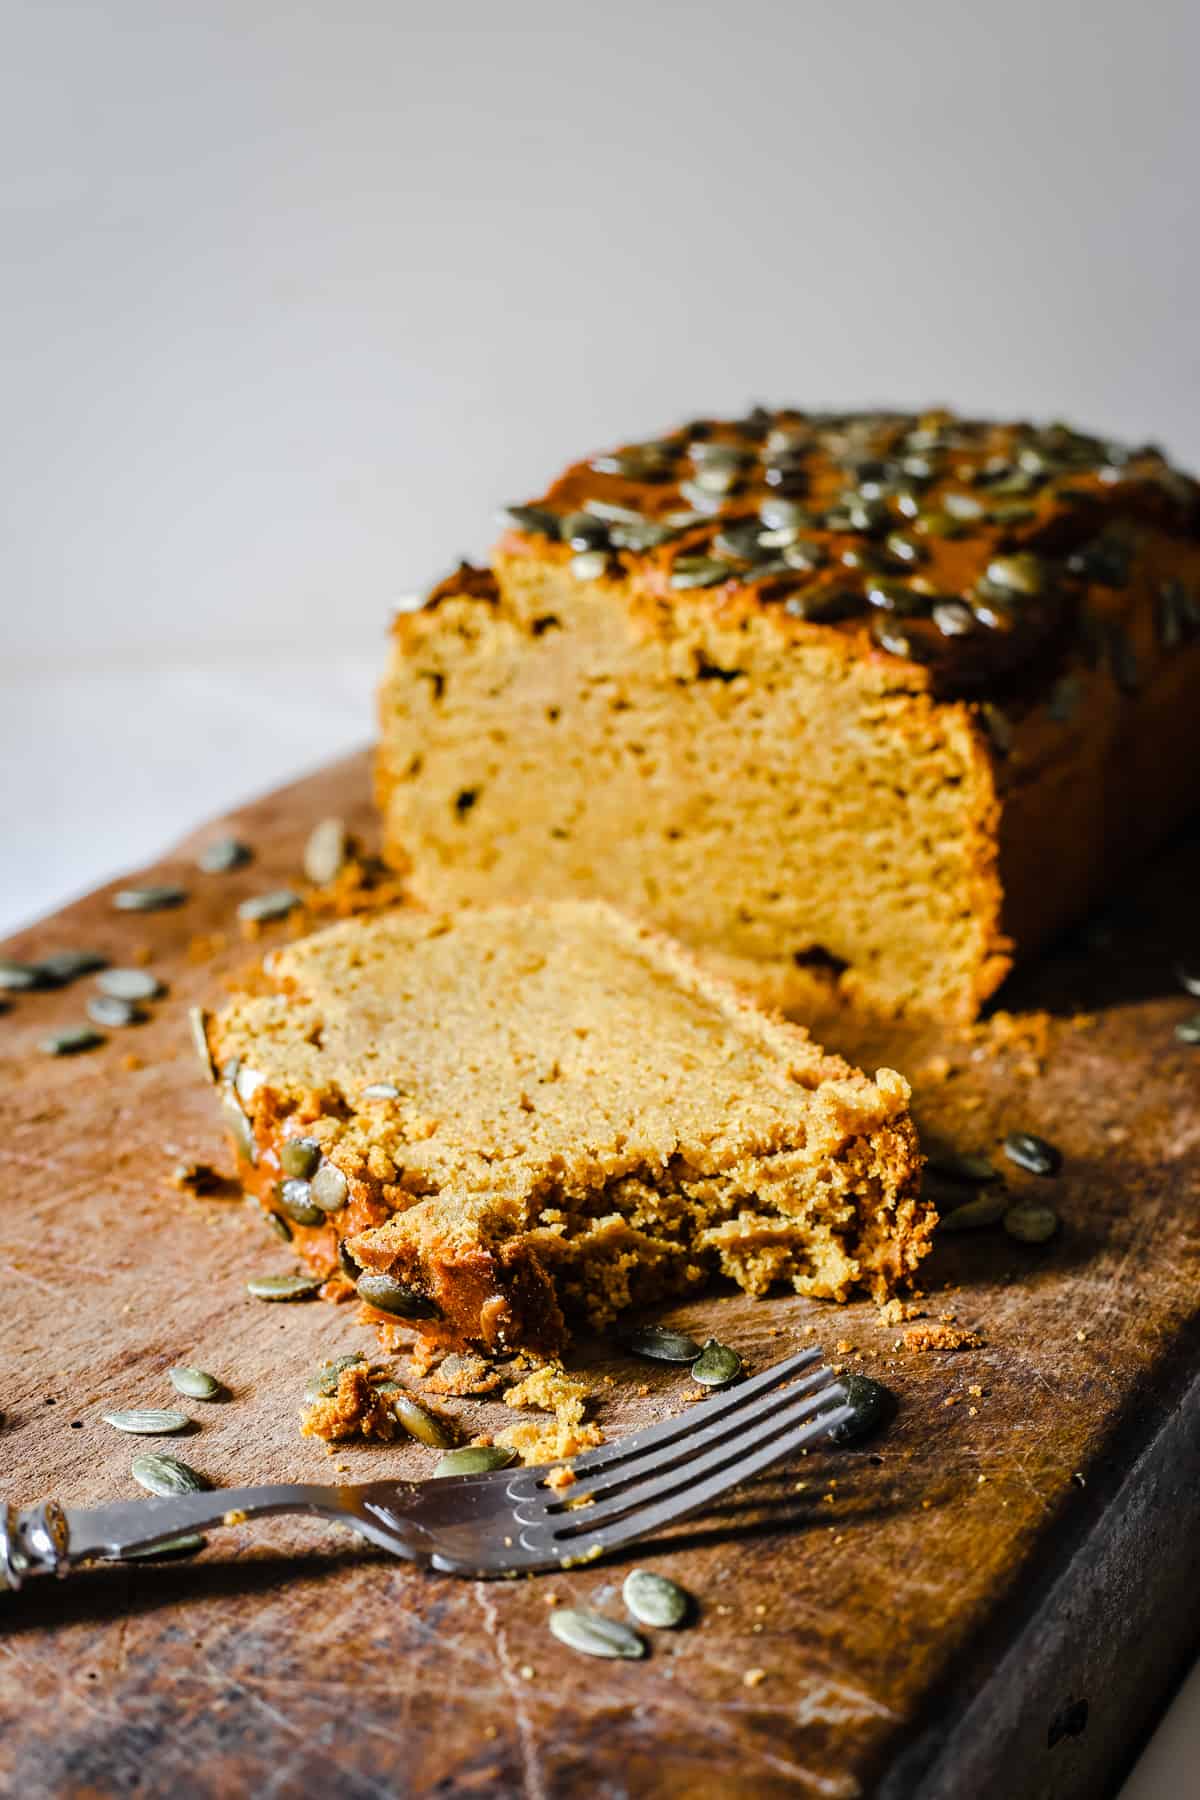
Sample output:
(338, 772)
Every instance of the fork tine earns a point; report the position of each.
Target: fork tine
(646, 1520)
(706, 1433)
(684, 1424)
(733, 1447)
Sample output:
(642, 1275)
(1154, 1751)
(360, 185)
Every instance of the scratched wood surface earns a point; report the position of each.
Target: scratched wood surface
(900, 1596)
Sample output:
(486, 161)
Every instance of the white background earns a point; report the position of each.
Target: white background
(293, 296)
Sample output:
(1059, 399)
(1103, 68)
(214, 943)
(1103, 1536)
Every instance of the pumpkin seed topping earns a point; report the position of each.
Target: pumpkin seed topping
(418, 1423)
(589, 565)
(107, 1010)
(198, 1026)
(148, 1421)
(329, 1188)
(699, 572)
(325, 852)
(282, 1287)
(197, 1384)
(262, 909)
(391, 1296)
(474, 1459)
(594, 1635)
(1188, 1030)
(149, 899)
(166, 1475)
(295, 1197)
(225, 854)
(279, 1226)
(973, 1215)
(300, 1157)
(349, 1265)
(1031, 1152)
(613, 514)
(63, 966)
(71, 1042)
(1031, 1222)
(953, 618)
(1021, 573)
(871, 1402)
(583, 531)
(535, 519)
(19, 978)
(129, 984)
(717, 1365)
(662, 1344)
(655, 1600)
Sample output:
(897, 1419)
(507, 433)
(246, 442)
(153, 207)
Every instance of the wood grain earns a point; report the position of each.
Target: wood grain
(993, 1602)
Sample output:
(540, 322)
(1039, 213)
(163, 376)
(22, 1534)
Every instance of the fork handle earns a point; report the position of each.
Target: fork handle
(50, 1539)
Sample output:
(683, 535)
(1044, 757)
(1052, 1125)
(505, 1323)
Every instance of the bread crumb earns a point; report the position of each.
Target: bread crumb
(754, 1678)
(560, 1477)
(942, 1337)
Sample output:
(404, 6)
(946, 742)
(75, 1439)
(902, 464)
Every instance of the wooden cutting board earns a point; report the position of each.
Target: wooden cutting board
(992, 1598)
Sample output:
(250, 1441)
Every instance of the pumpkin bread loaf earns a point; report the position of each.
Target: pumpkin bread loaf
(872, 703)
(493, 1121)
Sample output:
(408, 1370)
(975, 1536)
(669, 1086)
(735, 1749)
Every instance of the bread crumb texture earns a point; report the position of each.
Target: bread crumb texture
(539, 1111)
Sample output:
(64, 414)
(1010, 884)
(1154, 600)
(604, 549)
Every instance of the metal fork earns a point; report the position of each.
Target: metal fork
(505, 1523)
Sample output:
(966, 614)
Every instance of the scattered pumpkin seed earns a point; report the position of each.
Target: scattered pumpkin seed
(129, 984)
(1031, 1221)
(225, 854)
(963, 506)
(589, 565)
(655, 1600)
(325, 851)
(418, 1423)
(107, 1010)
(717, 1365)
(534, 519)
(1033, 1153)
(300, 1157)
(959, 1165)
(1020, 573)
(953, 618)
(295, 1197)
(871, 1402)
(583, 532)
(974, 1215)
(71, 1041)
(474, 1459)
(699, 572)
(263, 908)
(19, 978)
(187, 1545)
(662, 1344)
(198, 1026)
(1188, 1030)
(329, 1188)
(278, 1224)
(149, 899)
(240, 1128)
(148, 1421)
(64, 966)
(197, 1384)
(590, 1632)
(282, 1287)
(166, 1475)
(391, 1296)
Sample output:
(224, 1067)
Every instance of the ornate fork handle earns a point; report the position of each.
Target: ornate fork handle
(50, 1539)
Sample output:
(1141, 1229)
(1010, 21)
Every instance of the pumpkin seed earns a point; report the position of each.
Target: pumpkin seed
(646, 534)
(129, 984)
(1188, 1030)
(329, 1188)
(717, 1365)
(418, 1423)
(351, 1268)
(655, 1600)
(197, 1384)
(279, 1225)
(699, 572)
(381, 1090)
(1031, 1222)
(716, 453)
(590, 1632)
(824, 605)
(998, 727)
(953, 618)
(391, 1296)
(166, 1475)
(186, 1545)
(474, 1459)
(698, 498)
(1187, 974)
(1065, 697)
(263, 908)
(148, 1421)
(959, 1165)
(871, 1402)
(1033, 1153)
(300, 1157)
(612, 514)
(64, 966)
(662, 1344)
(323, 1384)
(282, 1287)
(325, 852)
(535, 519)
(19, 978)
(1020, 573)
(741, 540)
(974, 1215)
(589, 565)
(777, 513)
(149, 899)
(240, 1128)
(963, 506)
(805, 555)
(582, 531)
(717, 478)
(903, 549)
(295, 1197)
(198, 1026)
(225, 854)
(71, 1042)
(107, 1010)
(894, 639)
(894, 597)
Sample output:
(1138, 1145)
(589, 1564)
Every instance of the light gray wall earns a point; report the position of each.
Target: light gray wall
(294, 295)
